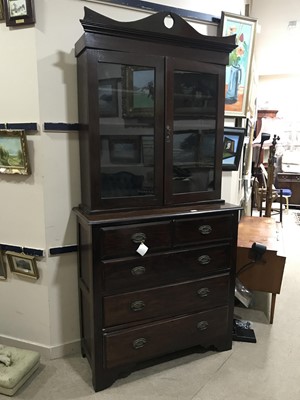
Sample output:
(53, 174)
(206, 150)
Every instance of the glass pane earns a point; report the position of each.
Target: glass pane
(126, 95)
(195, 112)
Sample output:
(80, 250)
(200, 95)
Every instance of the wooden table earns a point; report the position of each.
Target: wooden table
(266, 274)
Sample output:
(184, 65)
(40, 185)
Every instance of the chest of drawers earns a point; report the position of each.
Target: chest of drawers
(290, 181)
(180, 294)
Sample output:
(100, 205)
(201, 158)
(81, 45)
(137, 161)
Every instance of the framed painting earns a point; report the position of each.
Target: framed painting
(232, 148)
(1, 11)
(186, 147)
(19, 12)
(195, 94)
(108, 97)
(22, 264)
(14, 153)
(138, 92)
(124, 150)
(240, 61)
(3, 272)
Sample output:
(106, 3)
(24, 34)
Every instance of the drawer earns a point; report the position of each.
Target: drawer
(288, 178)
(124, 240)
(152, 340)
(203, 229)
(166, 301)
(163, 268)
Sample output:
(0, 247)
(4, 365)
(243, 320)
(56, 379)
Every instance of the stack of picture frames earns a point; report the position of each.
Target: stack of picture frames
(17, 12)
(19, 263)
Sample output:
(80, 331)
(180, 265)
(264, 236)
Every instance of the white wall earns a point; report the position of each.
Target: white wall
(278, 57)
(38, 84)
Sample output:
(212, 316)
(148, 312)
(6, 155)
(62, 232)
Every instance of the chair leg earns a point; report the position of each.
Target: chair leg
(286, 204)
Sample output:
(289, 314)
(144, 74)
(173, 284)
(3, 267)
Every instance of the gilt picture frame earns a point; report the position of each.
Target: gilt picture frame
(14, 157)
(22, 264)
(240, 62)
(3, 271)
(19, 12)
(1, 11)
(138, 89)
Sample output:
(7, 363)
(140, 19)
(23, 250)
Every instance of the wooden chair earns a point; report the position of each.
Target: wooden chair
(259, 198)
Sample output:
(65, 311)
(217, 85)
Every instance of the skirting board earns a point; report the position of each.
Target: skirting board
(47, 352)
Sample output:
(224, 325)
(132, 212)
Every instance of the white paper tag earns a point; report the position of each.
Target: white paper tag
(142, 249)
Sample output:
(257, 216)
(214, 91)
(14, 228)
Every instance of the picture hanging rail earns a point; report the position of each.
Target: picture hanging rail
(154, 8)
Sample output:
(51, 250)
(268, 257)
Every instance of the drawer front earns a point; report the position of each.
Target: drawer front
(166, 300)
(152, 340)
(288, 178)
(124, 240)
(163, 268)
(203, 229)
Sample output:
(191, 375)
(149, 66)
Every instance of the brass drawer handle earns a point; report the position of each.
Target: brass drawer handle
(205, 229)
(204, 260)
(203, 292)
(139, 270)
(202, 325)
(137, 305)
(139, 237)
(139, 343)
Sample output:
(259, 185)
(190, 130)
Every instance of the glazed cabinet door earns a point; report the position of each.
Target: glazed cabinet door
(193, 132)
(129, 97)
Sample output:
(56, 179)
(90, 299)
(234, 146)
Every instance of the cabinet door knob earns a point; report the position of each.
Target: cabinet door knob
(202, 325)
(139, 343)
(205, 229)
(203, 292)
(137, 305)
(168, 134)
(139, 270)
(138, 237)
(204, 260)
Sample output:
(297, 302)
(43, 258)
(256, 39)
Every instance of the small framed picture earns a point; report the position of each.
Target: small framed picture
(125, 150)
(3, 272)
(1, 11)
(233, 142)
(22, 264)
(19, 12)
(138, 92)
(14, 153)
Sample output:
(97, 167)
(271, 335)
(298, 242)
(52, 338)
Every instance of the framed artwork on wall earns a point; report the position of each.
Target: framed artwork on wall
(22, 264)
(240, 61)
(14, 153)
(125, 150)
(232, 148)
(138, 92)
(3, 272)
(19, 12)
(1, 11)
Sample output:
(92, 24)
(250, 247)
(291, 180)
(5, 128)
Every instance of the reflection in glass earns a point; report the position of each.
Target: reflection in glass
(195, 112)
(126, 95)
